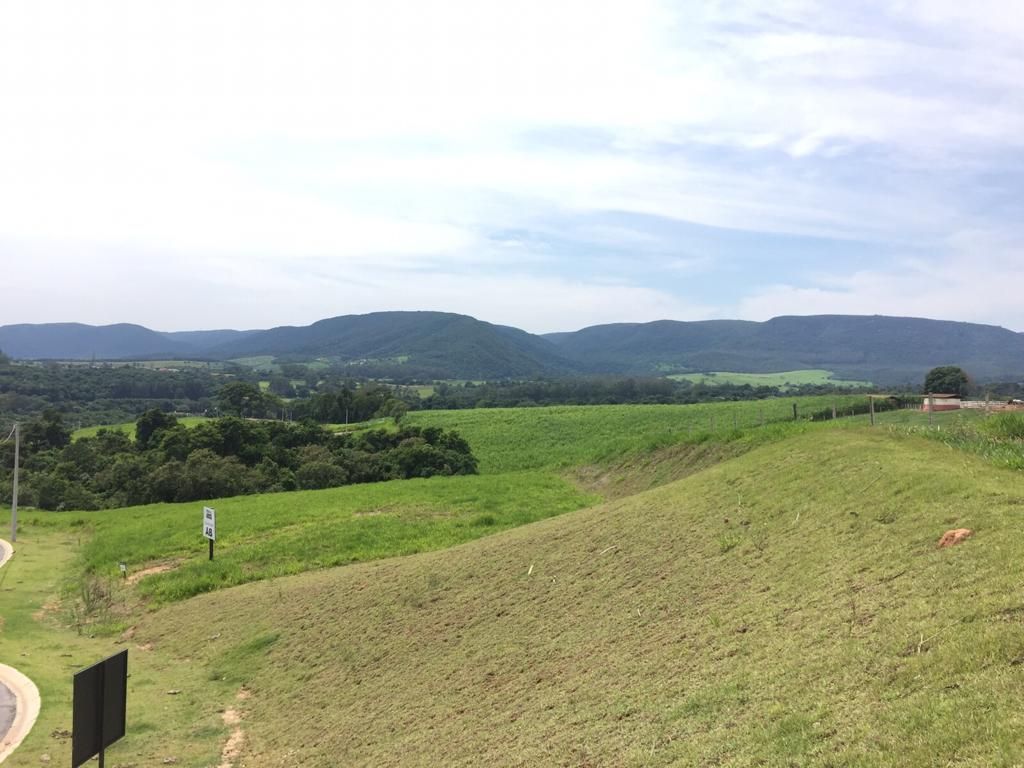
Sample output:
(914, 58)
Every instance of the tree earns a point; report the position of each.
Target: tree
(150, 424)
(240, 398)
(48, 431)
(947, 379)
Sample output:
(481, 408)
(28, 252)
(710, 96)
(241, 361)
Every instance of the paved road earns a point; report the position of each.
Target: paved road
(8, 708)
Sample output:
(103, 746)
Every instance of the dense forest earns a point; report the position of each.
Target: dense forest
(228, 456)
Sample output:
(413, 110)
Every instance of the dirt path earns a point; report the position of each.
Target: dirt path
(19, 697)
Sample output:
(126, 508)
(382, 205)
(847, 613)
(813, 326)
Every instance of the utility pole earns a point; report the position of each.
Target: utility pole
(14, 492)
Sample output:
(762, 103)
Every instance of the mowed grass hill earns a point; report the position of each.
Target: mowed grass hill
(759, 596)
(788, 607)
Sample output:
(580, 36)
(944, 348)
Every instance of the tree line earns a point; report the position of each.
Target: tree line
(229, 456)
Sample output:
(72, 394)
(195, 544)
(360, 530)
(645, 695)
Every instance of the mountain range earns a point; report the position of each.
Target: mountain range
(886, 350)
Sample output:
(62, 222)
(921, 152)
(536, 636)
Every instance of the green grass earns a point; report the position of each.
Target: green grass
(782, 379)
(787, 607)
(510, 439)
(776, 600)
(270, 535)
(128, 427)
(535, 463)
(36, 638)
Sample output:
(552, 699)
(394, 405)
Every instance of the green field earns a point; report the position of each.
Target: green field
(782, 379)
(508, 439)
(275, 534)
(742, 596)
(128, 427)
(261, 363)
(527, 458)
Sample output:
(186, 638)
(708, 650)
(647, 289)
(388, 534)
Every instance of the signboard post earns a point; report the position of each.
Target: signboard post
(210, 526)
(100, 698)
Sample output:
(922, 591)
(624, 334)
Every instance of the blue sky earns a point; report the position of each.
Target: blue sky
(548, 165)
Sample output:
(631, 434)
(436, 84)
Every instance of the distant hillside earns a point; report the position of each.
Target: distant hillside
(438, 344)
(879, 348)
(76, 341)
(885, 350)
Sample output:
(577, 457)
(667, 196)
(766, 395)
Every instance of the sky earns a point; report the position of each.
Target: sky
(547, 164)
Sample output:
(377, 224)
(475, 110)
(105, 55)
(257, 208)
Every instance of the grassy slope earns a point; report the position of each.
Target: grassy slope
(525, 457)
(270, 535)
(784, 608)
(509, 439)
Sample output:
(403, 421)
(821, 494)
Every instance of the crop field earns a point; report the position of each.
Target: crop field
(782, 379)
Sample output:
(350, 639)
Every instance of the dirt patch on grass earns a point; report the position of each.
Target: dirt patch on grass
(635, 474)
(50, 608)
(233, 746)
(164, 567)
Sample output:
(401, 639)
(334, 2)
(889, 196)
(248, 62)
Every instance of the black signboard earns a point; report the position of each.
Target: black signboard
(101, 693)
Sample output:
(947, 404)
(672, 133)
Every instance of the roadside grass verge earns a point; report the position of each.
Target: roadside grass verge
(35, 637)
(998, 437)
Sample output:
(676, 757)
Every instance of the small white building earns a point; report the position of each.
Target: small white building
(939, 402)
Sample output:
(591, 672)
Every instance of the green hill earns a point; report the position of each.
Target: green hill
(441, 345)
(788, 607)
(885, 350)
(438, 344)
(77, 341)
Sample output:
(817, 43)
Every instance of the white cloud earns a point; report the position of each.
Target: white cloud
(980, 281)
(269, 144)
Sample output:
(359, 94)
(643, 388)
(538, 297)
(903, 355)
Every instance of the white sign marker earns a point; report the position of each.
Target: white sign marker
(210, 523)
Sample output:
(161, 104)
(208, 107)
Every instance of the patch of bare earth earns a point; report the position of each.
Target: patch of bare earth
(137, 576)
(233, 746)
(49, 608)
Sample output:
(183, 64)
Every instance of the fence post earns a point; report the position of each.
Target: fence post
(833, 410)
(794, 411)
(871, 408)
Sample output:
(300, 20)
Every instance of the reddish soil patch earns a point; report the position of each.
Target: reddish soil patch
(134, 578)
(951, 538)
